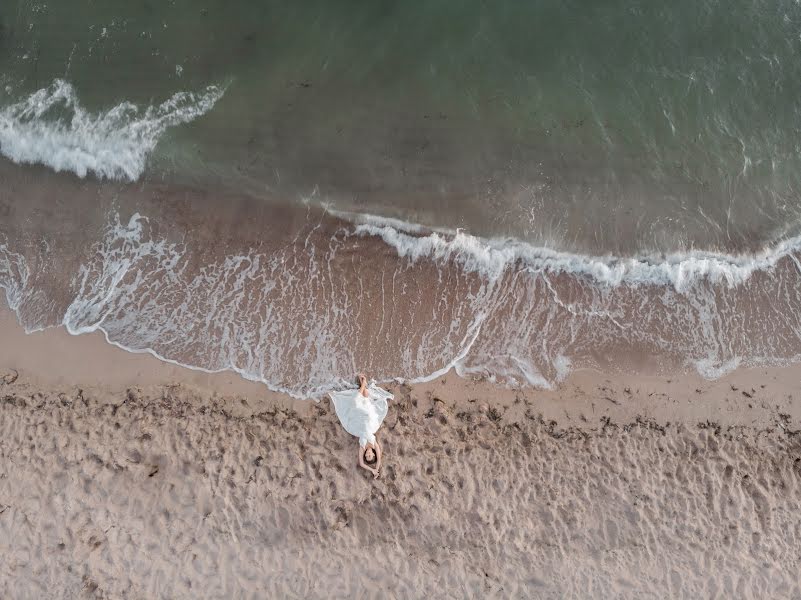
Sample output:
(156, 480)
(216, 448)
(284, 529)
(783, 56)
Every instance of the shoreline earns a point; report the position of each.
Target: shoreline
(277, 289)
(752, 397)
(136, 478)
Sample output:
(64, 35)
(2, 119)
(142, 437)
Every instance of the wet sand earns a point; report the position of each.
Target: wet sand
(210, 279)
(124, 477)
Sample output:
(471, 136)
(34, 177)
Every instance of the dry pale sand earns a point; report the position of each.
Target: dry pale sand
(123, 477)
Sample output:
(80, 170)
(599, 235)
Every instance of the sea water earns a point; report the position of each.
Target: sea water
(295, 192)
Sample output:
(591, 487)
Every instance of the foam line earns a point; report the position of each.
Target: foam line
(491, 258)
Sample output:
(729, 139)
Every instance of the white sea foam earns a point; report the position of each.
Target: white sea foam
(13, 275)
(128, 263)
(491, 258)
(562, 365)
(712, 369)
(52, 128)
(398, 224)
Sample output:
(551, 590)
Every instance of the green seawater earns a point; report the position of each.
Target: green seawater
(619, 126)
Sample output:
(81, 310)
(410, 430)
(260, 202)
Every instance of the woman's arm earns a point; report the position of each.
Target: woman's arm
(377, 456)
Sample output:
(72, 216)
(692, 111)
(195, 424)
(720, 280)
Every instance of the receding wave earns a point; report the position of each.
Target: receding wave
(52, 128)
(13, 275)
(305, 308)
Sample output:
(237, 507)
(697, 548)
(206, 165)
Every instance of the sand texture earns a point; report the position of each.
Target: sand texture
(197, 488)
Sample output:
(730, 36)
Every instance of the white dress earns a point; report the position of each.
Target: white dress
(361, 416)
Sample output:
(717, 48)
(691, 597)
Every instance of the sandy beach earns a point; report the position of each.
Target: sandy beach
(124, 477)
(565, 236)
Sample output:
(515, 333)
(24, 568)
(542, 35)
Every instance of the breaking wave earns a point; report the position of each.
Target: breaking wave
(52, 128)
(491, 257)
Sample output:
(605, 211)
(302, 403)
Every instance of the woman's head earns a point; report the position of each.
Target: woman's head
(369, 455)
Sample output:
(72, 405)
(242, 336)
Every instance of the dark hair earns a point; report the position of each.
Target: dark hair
(375, 456)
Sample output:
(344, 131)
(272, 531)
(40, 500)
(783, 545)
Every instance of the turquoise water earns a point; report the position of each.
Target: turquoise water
(618, 126)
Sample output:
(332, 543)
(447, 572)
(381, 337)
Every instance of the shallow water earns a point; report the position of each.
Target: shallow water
(300, 299)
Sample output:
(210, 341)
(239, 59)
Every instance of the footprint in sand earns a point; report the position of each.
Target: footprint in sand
(11, 377)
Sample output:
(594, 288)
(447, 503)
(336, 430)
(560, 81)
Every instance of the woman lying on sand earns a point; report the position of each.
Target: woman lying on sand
(361, 413)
